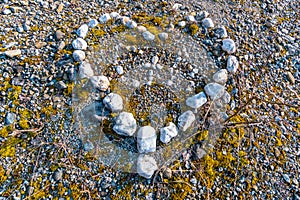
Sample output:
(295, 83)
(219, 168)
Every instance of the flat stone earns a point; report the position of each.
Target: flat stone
(168, 132)
(125, 124)
(100, 82)
(229, 46)
(12, 53)
(185, 120)
(61, 85)
(85, 70)
(196, 101)
(104, 18)
(78, 55)
(10, 118)
(146, 139)
(232, 64)
(163, 36)
(113, 102)
(207, 23)
(148, 36)
(221, 76)
(146, 166)
(82, 30)
(214, 90)
(79, 44)
(131, 24)
(93, 23)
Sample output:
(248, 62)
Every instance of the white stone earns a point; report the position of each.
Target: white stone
(146, 139)
(100, 82)
(92, 23)
(124, 19)
(208, 23)
(148, 36)
(114, 15)
(221, 76)
(125, 124)
(82, 30)
(104, 18)
(12, 53)
(163, 36)
(226, 98)
(146, 166)
(6, 11)
(154, 60)
(185, 120)
(131, 24)
(78, 55)
(190, 18)
(176, 6)
(168, 132)
(79, 44)
(119, 70)
(181, 24)
(85, 70)
(232, 64)
(141, 29)
(229, 46)
(214, 90)
(221, 32)
(196, 101)
(113, 102)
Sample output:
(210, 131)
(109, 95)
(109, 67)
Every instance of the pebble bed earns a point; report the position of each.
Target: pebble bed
(256, 154)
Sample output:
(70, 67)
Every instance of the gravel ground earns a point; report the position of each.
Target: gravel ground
(255, 155)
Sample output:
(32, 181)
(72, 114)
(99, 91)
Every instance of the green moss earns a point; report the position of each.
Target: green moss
(193, 29)
(3, 176)
(6, 130)
(118, 29)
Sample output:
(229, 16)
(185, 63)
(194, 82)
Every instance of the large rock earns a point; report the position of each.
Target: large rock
(185, 120)
(146, 139)
(78, 55)
(79, 44)
(125, 124)
(208, 23)
(232, 64)
(148, 36)
(82, 30)
(229, 46)
(214, 90)
(100, 82)
(196, 101)
(113, 102)
(221, 76)
(221, 32)
(85, 70)
(146, 166)
(168, 132)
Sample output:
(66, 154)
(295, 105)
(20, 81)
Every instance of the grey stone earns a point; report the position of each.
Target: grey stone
(286, 178)
(85, 70)
(57, 174)
(119, 70)
(168, 132)
(208, 23)
(226, 98)
(113, 102)
(61, 85)
(79, 44)
(104, 18)
(221, 76)
(78, 55)
(114, 15)
(88, 146)
(131, 24)
(197, 100)
(141, 29)
(100, 82)
(82, 30)
(148, 36)
(125, 124)
(146, 139)
(185, 120)
(146, 166)
(190, 18)
(163, 36)
(214, 90)
(290, 77)
(92, 23)
(229, 46)
(221, 32)
(12, 53)
(10, 118)
(181, 24)
(59, 35)
(232, 64)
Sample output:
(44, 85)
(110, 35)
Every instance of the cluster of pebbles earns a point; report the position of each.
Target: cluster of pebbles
(125, 123)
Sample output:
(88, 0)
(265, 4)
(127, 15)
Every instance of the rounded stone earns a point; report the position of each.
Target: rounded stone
(78, 55)
(208, 23)
(148, 36)
(196, 101)
(131, 24)
(85, 70)
(104, 18)
(229, 46)
(214, 90)
(82, 30)
(92, 23)
(141, 29)
(113, 102)
(185, 120)
(181, 24)
(146, 139)
(163, 36)
(79, 44)
(10, 118)
(114, 15)
(100, 82)
(232, 64)
(221, 76)
(146, 166)
(125, 124)
(168, 132)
